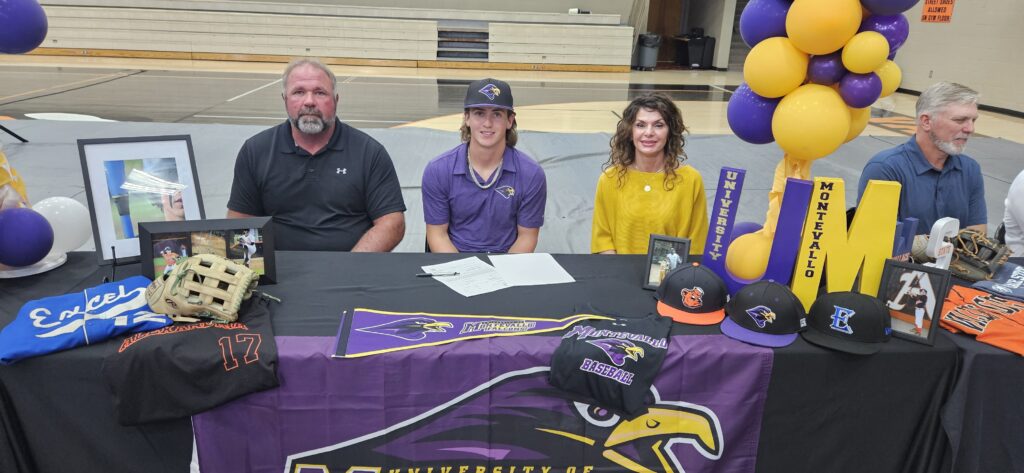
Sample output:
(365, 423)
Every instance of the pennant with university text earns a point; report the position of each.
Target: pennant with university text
(366, 332)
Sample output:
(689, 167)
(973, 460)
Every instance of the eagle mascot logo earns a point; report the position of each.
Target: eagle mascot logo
(412, 329)
(491, 91)
(516, 420)
(506, 191)
(618, 350)
(762, 315)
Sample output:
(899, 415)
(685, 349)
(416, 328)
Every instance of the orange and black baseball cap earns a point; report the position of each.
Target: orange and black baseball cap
(693, 295)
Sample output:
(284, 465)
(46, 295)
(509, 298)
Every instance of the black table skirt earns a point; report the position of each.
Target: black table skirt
(825, 411)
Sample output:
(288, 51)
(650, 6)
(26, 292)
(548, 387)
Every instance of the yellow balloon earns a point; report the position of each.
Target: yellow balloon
(811, 122)
(865, 52)
(858, 122)
(891, 76)
(774, 67)
(747, 257)
(822, 26)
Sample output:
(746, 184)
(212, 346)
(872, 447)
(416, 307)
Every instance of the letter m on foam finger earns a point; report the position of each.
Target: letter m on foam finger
(861, 249)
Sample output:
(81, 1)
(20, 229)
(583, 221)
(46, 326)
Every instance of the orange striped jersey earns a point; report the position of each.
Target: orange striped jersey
(994, 320)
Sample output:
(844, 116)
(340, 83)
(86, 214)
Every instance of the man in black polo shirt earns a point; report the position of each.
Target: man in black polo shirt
(327, 185)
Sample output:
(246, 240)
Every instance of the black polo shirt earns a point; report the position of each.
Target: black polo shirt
(325, 201)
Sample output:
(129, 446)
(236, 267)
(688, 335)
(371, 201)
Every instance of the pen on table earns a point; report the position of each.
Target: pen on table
(430, 275)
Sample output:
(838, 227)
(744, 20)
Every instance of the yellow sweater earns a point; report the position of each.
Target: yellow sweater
(625, 217)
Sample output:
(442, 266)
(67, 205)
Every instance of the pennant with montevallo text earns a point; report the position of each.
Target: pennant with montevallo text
(365, 332)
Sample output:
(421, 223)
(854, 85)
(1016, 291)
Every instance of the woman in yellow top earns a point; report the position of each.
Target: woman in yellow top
(646, 187)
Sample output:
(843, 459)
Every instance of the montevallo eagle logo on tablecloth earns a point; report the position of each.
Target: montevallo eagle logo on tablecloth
(517, 422)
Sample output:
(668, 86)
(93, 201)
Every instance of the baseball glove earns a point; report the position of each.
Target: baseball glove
(975, 256)
(202, 287)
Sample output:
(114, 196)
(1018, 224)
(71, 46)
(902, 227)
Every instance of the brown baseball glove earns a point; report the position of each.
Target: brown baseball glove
(202, 287)
(975, 256)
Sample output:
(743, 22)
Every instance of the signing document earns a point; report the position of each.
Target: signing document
(530, 269)
(467, 276)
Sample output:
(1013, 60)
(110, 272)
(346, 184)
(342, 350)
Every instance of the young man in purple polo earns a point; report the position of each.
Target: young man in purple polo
(484, 196)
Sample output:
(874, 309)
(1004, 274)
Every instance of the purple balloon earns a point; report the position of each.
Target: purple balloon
(22, 26)
(763, 19)
(860, 90)
(750, 115)
(895, 28)
(25, 237)
(826, 69)
(743, 228)
(888, 7)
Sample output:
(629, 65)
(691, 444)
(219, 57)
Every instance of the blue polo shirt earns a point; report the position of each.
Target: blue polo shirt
(929, 194)
(484, 220)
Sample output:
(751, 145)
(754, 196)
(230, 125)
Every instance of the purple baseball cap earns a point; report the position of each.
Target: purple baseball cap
(764, 313)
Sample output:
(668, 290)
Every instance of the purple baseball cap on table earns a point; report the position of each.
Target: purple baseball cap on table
(764, 313)
(489, 93)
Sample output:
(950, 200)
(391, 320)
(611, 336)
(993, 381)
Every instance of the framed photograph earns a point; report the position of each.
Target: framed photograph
(248, 241)
(914, 295)
(133, 180)
(664, 255)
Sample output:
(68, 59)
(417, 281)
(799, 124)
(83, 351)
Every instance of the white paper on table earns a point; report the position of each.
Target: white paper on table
(530, 269)
(475, 276)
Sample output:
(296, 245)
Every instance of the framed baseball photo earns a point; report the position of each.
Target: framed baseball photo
(247, 241)
(664, 255)
(914, 294)
(133, 180)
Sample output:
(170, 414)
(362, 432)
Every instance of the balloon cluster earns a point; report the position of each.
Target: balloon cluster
(814, 70)
(52, 226)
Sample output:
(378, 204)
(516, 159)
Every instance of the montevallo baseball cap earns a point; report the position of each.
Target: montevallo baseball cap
(850, 322)
(693, 295)
(764, 313)
(489, 93)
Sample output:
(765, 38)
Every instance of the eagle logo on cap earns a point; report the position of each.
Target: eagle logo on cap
(618, 350)
(693, 297)
(491, 91)
(762, 315)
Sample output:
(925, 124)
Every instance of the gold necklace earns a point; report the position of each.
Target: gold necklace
(646, 179)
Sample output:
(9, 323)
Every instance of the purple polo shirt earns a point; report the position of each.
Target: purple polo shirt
(484, 220)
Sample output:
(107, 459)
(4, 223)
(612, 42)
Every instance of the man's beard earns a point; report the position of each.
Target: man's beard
(948, 147)
(309, 122)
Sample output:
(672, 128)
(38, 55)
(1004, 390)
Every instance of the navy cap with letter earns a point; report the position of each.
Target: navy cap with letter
(850, 322)
(489, 93)
(693, 295)
(764, 313)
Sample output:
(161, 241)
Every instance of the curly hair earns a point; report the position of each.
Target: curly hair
(623, 153)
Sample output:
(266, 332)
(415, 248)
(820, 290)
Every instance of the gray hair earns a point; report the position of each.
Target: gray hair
(941, 94)
(305, 61)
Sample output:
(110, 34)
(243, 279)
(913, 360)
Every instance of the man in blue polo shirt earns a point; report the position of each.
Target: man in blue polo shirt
(484, 195)
(938, 180)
